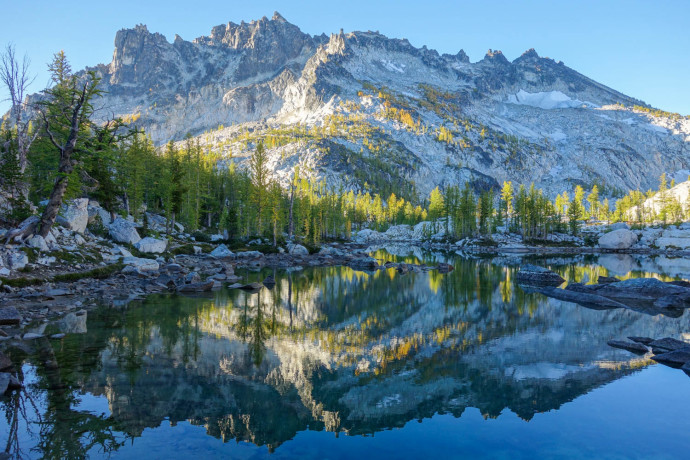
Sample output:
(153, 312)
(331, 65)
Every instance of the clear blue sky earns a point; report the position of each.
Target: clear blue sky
(641, 48)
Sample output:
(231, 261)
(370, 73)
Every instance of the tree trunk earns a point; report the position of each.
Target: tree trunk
(55, 201)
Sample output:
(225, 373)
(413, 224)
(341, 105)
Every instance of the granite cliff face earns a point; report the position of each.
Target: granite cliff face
(364, 108)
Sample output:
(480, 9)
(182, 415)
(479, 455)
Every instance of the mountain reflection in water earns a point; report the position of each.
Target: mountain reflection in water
(327, 349)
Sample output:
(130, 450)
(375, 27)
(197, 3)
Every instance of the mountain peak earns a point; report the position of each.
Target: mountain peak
(277, 17)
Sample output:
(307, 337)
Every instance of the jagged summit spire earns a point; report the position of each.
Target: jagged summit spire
(277, 17)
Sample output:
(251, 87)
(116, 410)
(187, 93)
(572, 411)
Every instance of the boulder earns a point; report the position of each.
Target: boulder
(251, 287)
(629, 346)
(141, 265)
(249, 254)
(619, 225)
(667, 344)
(297, 249)
(642, 340)
(330, 251)
(151, 245)
(222, 252)
(445, 268)
(269, 281)
(94, 210)
(674, 239)
(607, 280)
(9, 316)
(197, 287)
(123, 231)
(38, 242)
(72, 323)
(676, 358)
(76, 215)
(618, 239)
(540, 276)
(5, 362)
(4, 382)
(17, 260)
(364, 263)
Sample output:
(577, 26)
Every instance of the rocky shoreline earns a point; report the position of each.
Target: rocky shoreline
(93, 259)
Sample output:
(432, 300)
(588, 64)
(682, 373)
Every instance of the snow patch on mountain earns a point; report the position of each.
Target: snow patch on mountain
(546, 100)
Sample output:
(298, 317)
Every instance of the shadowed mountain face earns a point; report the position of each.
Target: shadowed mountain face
(361, 107)
(337, 350)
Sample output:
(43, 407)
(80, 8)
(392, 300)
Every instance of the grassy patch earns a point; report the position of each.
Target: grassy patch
(97, 273)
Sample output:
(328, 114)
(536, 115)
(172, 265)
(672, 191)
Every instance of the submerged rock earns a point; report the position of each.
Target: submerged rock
(269, 281)
(197, 287)
(539, 276)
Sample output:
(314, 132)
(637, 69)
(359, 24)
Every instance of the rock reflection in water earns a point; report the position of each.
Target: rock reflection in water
(332, 349)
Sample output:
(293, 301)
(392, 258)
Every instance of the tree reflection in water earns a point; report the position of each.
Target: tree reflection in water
(326, 348)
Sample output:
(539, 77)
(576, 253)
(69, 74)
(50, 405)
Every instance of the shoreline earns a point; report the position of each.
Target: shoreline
(48, 300)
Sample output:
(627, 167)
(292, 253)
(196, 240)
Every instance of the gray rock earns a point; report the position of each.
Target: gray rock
(642, 340)
(72, 323)
(686, 368)
(95, 210)
(76, 216)
(197, 287)
(676, 358)
(151, 245)
(251, 287)
(38, 242)
(667, 344)
(4, 382)
(9, 316)
(5, 362)
(192, 277)
(297, 249)
(17, 260)
(629, 346)
(364, 263)
(222, 252)
(249, 254)
(123, 231)
(445, 268)
(607, 280)
(269, 281)
(533, 275)
(619, 225)
(141, 265)
(32, 336)
(618, 239)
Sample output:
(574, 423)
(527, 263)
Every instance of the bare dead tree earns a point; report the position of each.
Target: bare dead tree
(16, 78)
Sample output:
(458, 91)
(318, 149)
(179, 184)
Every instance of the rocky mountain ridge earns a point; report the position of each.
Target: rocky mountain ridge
(361, 110)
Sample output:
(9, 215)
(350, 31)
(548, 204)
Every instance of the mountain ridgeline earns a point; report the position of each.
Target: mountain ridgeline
(363, 111)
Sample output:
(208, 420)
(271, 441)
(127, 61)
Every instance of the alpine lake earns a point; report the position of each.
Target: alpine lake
(337, 363)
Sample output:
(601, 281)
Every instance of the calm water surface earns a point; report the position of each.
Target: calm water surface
(336, 363)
